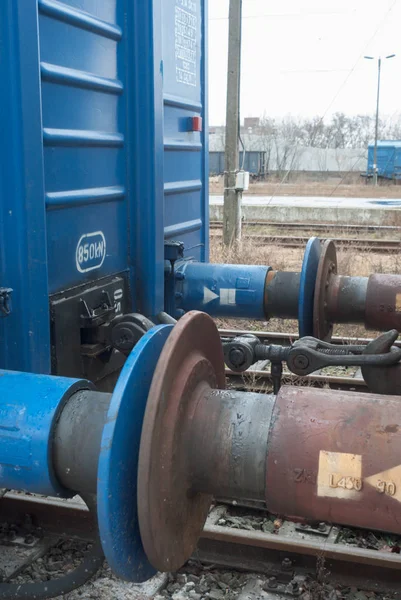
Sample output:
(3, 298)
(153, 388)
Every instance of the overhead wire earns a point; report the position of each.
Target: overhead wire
(344, 83)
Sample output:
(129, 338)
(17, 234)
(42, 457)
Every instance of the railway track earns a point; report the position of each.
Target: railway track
(290, 557)
(359, 244)
(261, 381)
(297, 555)
(316, 227)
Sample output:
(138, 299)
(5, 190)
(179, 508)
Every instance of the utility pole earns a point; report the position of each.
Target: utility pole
(379, 68)
(232, 196)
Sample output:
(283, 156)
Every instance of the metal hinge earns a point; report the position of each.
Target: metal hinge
(5, 301)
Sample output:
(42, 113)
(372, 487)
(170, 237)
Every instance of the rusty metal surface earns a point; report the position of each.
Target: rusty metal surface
(228, 444)
(346, 299)
(171, 515)
(258, 539)
(55, 516)
(336, 456)
(264, 552)
(281, 294)
(322, 327)
(383, 302)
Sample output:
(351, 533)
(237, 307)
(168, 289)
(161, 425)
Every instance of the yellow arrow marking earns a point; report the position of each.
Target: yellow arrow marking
(387, 482)
(339, 475)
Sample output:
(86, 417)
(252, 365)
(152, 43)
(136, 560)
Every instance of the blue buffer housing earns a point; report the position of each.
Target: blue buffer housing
(222, 290)
(30, 407)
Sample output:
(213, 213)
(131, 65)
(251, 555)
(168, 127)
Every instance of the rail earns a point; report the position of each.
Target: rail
(316, 226)
(359, 244)
(295, 550)
(288, 553)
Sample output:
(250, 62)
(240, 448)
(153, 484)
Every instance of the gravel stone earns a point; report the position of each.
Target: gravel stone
(196, 582)
(215, 595)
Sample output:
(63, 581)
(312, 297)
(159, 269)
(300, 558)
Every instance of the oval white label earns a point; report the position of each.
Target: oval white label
(90, 252)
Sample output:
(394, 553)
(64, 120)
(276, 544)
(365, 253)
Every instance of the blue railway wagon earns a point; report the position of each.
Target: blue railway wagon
(216, 163)
(388, 159)
(102, 213)
(103, 157)
(253, 162)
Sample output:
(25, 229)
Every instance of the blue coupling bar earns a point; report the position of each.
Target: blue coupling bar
(30, 406)
(231, 291)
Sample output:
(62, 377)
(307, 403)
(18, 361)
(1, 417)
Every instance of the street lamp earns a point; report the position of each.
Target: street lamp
(379, 66)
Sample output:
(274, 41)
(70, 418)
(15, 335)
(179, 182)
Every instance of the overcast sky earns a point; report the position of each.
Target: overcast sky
(305, 57)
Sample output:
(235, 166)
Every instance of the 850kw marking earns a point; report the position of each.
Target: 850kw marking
(90, 252)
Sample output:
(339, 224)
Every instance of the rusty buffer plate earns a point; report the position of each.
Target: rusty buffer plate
(171, 515)
(322, 328)
(383, 302)
(336, 456)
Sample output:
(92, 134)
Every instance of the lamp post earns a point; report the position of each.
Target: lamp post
(379, 66)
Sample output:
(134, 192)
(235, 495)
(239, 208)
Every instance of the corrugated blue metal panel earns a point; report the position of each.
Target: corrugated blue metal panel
(251, 163)
(25, 334)
(99, 165)
(385, 160)
(388, 159)
(185, 159)
(397, 163)
(214, 163)
(84, 140)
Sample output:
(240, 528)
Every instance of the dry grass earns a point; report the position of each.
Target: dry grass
(340, 230)
(350, 262)
(329, 188)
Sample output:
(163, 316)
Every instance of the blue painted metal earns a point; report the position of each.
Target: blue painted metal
(84, 139)
(222, 290)
(95, 107)
(145, 155)
(118, 462)
(186, 170)
(253, 162)
(29, 409)
(307, 286)
(216, 166)
(388, 159)
(25, 334)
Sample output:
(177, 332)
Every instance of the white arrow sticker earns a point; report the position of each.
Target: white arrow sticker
(387, 482)
(208, 295)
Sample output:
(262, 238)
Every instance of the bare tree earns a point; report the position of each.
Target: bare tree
(314, 132)
(266, 132)
(287, 139)
(321, 157)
